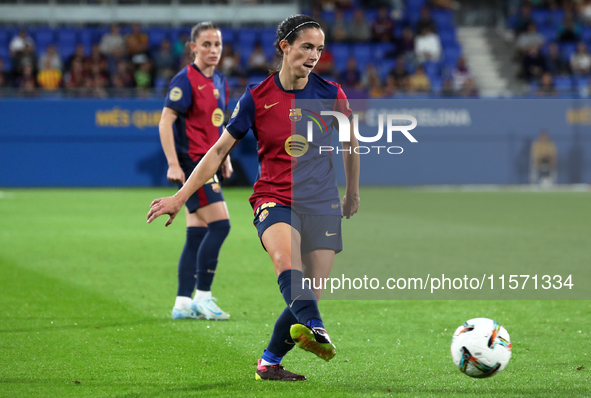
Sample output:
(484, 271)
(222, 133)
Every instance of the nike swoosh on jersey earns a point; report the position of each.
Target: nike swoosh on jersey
(201, 87)
(269, 106)
(294, 300)
(327, 234)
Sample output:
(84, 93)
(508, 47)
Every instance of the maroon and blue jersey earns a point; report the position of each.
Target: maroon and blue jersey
(292, 169)
(200, 102)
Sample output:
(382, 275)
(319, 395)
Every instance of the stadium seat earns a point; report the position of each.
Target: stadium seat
(448, 38)
(66, 50)
(586, 34)
(227, 34)
(436, 84)
(541, 17)
(371, 15)
(4, 37)
(556, 17)
(432, 69)
(382, 50)
(43, 37)
(363, 55)
(567, 50)
(340, 54)
(385, 67)
(7, 64)
(268, 37)
(563, 84)
(156, 36)
(451, 55)
(549, 33)
(328, 16)
(443, 18)
(246, 38)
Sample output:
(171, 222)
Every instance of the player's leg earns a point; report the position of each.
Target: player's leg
(187, 267)
(317, 266)
(215, 215)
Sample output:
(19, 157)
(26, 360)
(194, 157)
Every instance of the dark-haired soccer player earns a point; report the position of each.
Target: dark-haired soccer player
(296, 201)
(191, 123)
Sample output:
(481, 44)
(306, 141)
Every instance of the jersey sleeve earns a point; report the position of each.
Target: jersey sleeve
(242, 118)
(342, 103)
(179, 95)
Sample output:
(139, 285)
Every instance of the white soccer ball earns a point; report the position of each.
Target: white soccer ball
(481, 348)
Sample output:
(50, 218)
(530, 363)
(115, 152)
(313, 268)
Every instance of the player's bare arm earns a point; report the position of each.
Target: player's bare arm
(175, 172)
(350, 203)
(208, 166)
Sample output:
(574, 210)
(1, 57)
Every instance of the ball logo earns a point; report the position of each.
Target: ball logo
(235, 110)
(175, 94)
(296, 145)
(217, 117)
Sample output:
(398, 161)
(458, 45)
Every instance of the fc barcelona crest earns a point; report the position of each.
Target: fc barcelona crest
(295, 115)
(216, 93)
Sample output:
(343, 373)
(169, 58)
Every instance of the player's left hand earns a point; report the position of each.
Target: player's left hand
(227, 169)
(350, 205)
(170, 205)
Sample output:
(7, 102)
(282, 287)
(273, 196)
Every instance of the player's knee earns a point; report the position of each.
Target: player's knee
(221, 227)
(281, 261)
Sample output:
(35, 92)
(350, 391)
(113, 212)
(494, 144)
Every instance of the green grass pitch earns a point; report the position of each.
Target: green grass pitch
(86, 289)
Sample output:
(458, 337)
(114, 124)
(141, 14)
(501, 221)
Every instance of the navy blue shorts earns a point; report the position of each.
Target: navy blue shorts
(209, 193)
(316, 231)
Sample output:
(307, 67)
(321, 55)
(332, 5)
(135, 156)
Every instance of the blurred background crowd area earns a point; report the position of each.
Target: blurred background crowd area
(374, 49)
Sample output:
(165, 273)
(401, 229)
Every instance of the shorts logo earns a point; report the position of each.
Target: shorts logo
(235, 110)
(216, 93)
(175, 94)
(217, 117)
(295, 115)
(263, 215)
(334, 206)
(268, 204)
(216, 187)
(296, 145)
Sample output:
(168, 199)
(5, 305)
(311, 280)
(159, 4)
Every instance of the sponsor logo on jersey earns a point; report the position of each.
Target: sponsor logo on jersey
(295, 115)
(235, 110)
(217, 117)
(175, 94)
(296, 145)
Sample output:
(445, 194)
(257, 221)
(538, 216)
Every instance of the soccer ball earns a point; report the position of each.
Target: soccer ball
(481, 348)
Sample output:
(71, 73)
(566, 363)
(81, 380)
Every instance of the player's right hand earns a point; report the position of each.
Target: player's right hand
(170, 205)
(175, 174)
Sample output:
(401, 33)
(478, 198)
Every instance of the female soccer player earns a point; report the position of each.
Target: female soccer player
(296, 200)
(191, 123)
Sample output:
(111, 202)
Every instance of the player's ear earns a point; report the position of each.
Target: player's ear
(284, 46)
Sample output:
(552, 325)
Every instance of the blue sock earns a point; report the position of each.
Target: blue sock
(188, 262)
(207, 257)
(299, 298)
(280, 343)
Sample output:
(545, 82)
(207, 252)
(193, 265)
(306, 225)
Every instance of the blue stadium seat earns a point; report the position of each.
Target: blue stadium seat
(586, 34)
(363, 55)
(232, 82)
(414, 5)
(4, 52)
(564, 84)
(43, 37)
(67, 36)
(385, 67)
(348, 14)
(436, 84)
(567, 50)
(328, 16)
(541, 17)
(371, 15)
(268, 37)
(443, 18)
(548, 32)
(255, 79)
(448, 39)
(246, 38)
(156, 36)
(432, 69)
(7, 64)
(4, 37)
(381, 50)
(451, 55)
(556, 17)
(582, 83)
(66, 50)
(227, 34)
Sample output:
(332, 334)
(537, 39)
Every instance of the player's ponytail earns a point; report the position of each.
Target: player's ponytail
(289, 30)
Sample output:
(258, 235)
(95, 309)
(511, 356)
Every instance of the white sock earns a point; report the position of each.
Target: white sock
(200, 295)
(265, 363)
(182, 302)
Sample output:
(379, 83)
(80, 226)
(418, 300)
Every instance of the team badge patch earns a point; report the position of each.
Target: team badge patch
(175, 94)
(295, 115)
(216, 187)
(235, 110)
(216, 93)
(217, 117)
(263, 215)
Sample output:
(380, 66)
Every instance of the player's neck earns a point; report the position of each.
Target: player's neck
(291, 82)
(207, 70)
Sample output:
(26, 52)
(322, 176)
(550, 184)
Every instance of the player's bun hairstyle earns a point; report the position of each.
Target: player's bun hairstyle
(289, 30)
